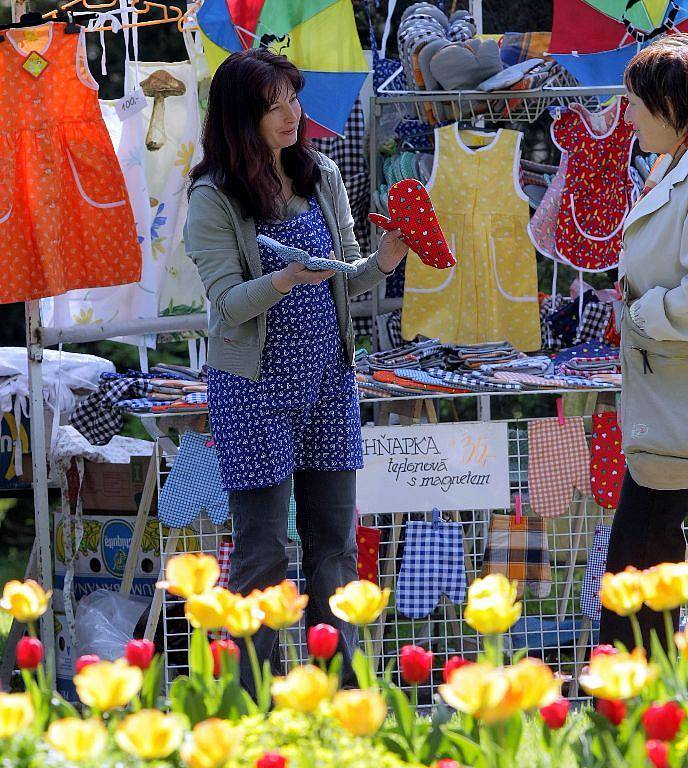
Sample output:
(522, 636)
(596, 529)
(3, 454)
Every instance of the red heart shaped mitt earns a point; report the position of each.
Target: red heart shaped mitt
(411, 211)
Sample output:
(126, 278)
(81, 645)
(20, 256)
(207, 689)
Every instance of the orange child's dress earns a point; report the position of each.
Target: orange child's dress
(65, 217)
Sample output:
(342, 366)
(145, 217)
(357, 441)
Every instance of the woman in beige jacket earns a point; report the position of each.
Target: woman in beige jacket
(654, 332)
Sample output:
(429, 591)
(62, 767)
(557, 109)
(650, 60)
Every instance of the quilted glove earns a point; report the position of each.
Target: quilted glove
(412, 212)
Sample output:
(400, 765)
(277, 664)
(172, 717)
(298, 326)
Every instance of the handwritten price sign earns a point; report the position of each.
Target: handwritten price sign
(449, 466)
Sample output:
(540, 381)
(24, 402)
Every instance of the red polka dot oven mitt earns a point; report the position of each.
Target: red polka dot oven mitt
(607, 462)
(412, 212)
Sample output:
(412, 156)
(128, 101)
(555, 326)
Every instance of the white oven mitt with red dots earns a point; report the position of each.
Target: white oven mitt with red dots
(411, 211)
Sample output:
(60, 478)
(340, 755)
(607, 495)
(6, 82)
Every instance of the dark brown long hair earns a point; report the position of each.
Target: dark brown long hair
(235, 156)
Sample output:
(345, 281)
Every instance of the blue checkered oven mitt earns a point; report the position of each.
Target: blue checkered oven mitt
(288, 253)
(432, 565)
(590, 604)
(193, 485)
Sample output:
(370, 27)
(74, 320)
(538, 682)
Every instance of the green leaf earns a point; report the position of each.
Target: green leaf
(177, 694)
(468, 751)
(152, 679)
(514, 731)
(361, 668)
(614, 758)
(403, 711)
(441, 715)
(62, 708)
(200, 658)
(389, 669)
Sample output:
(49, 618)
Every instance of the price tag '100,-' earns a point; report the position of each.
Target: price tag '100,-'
(130, 104)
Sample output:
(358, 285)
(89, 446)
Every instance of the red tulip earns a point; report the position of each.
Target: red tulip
(613, 709)
(452, 663)
(415, 663)
(220, 647)
(323, 641)
(662, 721)
(555, 714)
(658, 752)
(85, 660)
(447, 762)
(29, 652)
(272, 760)
(139, 653)
(603, 650)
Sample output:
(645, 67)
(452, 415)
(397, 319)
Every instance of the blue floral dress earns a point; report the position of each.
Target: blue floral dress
(303, 413)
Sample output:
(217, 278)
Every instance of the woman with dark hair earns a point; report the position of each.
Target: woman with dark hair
(653, 273)
(281, 385)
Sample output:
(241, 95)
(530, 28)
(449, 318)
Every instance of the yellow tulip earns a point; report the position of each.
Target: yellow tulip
(210, 744)
(480, 690)
(622, 592)
(282, 604)
(108, 684)
(360, 712)
(242, 617)
(26, 601)
(491, 607)
(16, 713)
(359, 602)
(302, 689)
(78, 739)
(665, 586)
(208, 610)
(532, 684)
(190, 574)
(619, 675)
(150, 734)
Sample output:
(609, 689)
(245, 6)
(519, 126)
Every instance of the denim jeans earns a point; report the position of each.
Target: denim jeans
(325, 520)
(646, 531)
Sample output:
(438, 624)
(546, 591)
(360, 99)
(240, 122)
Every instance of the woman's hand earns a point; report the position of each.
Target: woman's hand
(391, 250)
(296, 273)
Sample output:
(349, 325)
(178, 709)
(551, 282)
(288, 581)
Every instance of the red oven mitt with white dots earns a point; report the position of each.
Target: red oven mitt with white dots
(411, 211)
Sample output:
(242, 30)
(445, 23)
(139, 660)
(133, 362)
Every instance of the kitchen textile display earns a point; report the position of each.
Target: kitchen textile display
(607, 461)
(590, 604)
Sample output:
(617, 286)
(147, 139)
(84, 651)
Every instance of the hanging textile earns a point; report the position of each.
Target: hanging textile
(171, 149)
(96, 306)
(64, 207)
(598, 190)
(492, 293)
(607, 460)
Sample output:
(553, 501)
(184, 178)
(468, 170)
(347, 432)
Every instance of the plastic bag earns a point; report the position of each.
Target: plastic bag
(105, 623)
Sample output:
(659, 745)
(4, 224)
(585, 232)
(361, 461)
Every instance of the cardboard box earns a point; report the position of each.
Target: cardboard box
(115, 487)
(64, 659)
(103, 553)
(10, 434)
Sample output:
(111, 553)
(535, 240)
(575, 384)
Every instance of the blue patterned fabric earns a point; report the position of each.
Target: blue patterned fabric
(597, 564)
(193, 485)
(303, 413)
(432, 565)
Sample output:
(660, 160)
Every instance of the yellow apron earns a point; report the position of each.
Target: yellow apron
(491, 294)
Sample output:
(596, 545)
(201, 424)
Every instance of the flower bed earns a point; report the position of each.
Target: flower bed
(488, 714)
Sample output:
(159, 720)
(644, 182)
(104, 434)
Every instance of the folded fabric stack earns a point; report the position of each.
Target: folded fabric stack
(470, 357)
(588, 362)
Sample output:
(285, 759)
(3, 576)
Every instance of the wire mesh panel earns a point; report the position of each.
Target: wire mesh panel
(553, 625)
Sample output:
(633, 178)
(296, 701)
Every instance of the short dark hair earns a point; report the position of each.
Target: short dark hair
(658, 75)
(235, 156)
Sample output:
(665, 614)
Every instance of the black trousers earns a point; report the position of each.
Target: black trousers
(646, 531)
(325, 520)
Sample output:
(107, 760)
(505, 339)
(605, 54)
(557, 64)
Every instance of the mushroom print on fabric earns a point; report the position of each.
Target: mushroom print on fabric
(159, 86)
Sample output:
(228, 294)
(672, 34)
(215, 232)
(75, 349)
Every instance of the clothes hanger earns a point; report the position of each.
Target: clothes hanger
(170, 13)
(34, 19)
(188, 22)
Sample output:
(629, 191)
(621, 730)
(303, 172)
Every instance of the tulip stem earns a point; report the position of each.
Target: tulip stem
(671, 646)
(255, 667)
(637, 634)
(368, 644)
(31, 629)
(414, 697)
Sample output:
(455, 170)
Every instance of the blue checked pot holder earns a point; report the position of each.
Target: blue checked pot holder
(193, 485)
(432, 565)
